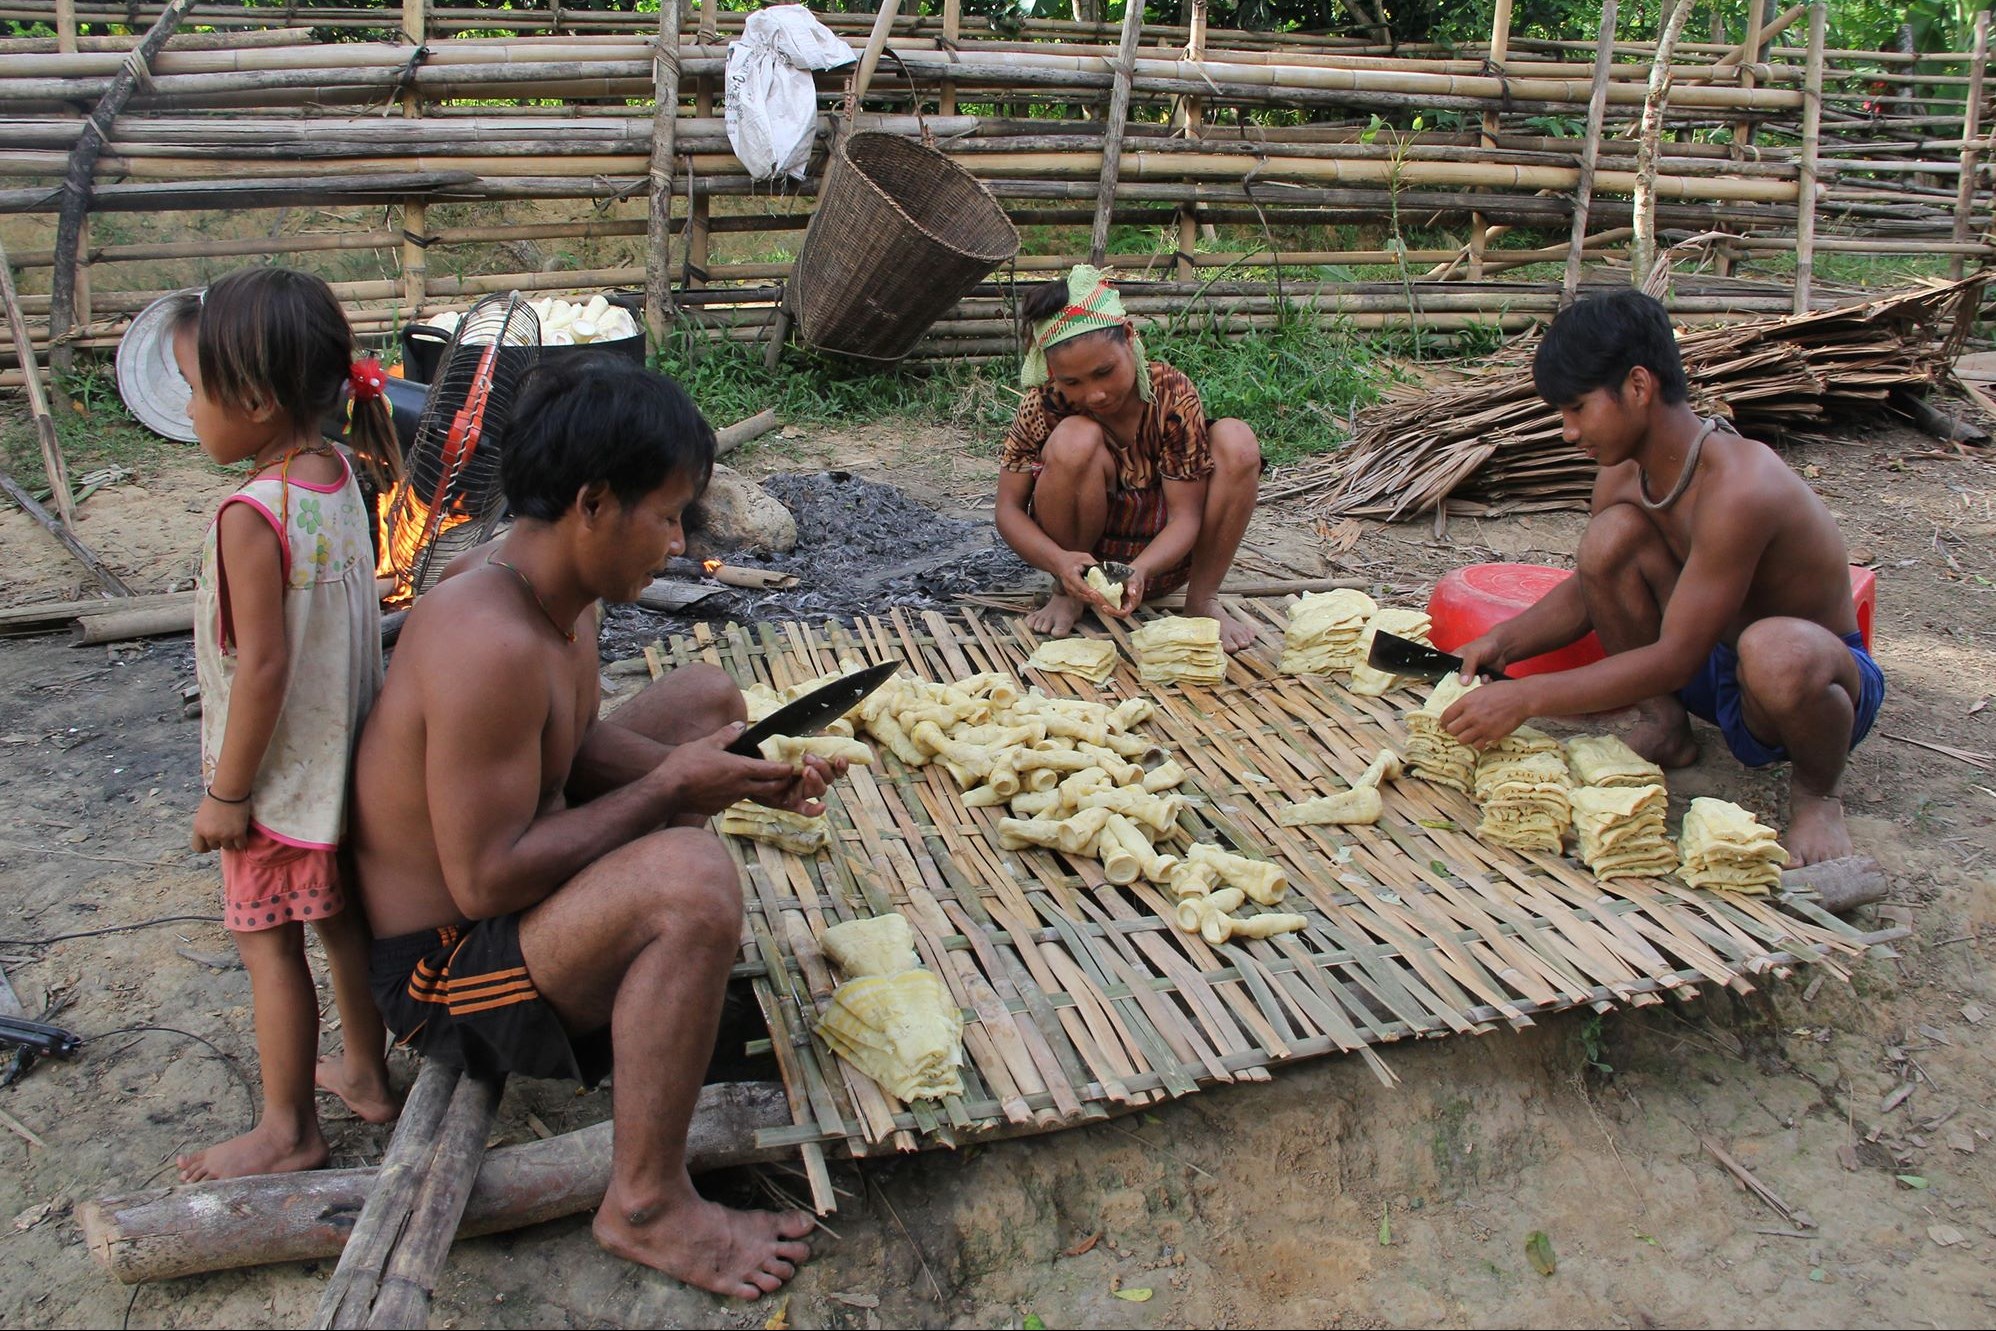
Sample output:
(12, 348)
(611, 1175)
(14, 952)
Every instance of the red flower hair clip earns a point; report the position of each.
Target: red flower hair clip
(367, 380)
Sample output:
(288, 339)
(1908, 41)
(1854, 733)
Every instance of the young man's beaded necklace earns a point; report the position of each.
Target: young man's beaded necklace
(534, 592)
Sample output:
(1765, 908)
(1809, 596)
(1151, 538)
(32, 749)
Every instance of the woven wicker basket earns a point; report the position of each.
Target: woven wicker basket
(900, 235)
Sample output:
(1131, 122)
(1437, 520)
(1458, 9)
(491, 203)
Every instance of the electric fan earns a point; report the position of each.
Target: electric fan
(449, 498)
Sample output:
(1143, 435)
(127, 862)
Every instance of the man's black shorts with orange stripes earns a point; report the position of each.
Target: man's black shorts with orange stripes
(461, 995)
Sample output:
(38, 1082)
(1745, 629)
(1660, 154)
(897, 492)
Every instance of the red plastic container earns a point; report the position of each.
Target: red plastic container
(1470, 601)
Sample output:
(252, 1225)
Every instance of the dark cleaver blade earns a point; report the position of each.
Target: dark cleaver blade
(1403, 656)
(815, 710)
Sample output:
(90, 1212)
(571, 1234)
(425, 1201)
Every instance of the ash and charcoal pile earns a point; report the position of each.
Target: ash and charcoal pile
(862, 547)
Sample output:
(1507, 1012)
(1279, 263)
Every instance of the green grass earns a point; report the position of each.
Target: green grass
(102, 434)
(1296, 384)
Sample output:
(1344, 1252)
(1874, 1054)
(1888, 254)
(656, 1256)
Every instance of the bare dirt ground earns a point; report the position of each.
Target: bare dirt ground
(1320, 1199)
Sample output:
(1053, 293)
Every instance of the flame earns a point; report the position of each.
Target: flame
(402, 543)
(712, 566)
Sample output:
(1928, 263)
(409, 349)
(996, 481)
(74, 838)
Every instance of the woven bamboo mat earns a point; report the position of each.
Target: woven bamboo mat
(1081, 1000)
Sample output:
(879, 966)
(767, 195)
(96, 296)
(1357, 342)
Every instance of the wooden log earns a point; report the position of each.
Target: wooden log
(83, 553)
(165, 1233)
(349, 1295)
(730, 437)
(412, 1269)
(76, 181)
(51, 615)
(38, 408)
(1119, 116)
(162, 617)
(1590, 151)
(1840, 885)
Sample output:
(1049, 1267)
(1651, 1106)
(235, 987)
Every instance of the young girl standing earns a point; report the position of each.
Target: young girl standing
(1111, 457)
(288, 652)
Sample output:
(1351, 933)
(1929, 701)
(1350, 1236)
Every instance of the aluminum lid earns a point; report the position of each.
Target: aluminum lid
(148, 380)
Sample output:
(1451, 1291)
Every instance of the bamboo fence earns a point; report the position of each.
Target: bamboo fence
(1081, 1000)
(1850, 152)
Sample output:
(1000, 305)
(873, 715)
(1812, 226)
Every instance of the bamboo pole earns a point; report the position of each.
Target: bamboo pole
(1590, 151)
(1500, 51)
(1114, 127)
(1195, 116)
(1964, 199)
(76, 181)
(699, 208)
(415, 211)
(1812, 130)
(38, 407)
(1646, 182)
(658, 230)
(952, 33)
(65, 26)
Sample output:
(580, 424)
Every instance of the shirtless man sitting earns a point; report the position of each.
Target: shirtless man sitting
(542, 885)
(1716, 579)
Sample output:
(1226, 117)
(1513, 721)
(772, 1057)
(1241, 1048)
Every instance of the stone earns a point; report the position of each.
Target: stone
(737, 514)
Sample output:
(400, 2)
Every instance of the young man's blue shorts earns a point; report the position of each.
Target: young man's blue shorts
(1714, 694)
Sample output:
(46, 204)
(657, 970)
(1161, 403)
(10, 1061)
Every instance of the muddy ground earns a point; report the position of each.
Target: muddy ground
(1320, 1199)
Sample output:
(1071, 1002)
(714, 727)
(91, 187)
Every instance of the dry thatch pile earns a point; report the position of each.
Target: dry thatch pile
(1485, 442)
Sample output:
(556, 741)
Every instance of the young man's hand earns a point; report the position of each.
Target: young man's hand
(1484, 653)
(703, 778)
(221, 826)
(1483, 716)
(808, 786)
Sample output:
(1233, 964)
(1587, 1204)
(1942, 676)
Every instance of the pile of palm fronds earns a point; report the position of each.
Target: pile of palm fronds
(1485, 441)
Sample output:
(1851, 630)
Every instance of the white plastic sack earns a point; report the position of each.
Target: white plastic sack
(772, 104)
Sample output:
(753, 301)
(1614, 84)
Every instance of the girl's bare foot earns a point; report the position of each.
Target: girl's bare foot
(1816, 830)
(365, 1091)
(740, 1254)
(1235, 633)
(264, 1149)
(1055, 619)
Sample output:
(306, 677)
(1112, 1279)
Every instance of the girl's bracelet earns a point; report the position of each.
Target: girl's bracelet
(221, 800)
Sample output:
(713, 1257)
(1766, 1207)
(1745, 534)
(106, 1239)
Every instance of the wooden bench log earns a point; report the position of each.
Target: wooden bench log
(164, 1233)
(1841, 885)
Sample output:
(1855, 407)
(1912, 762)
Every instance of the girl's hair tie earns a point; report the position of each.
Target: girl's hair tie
(367, 380)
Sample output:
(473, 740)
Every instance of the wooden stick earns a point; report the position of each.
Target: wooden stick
(1114, 127)
(76, 181)
(1964, 199)
(1644, 250)
(658, 230)
(1812, 135)
(876, 42)
(1590, 149)
(1194, 117)
(58, 614)
(415, 211)
(1493, 121)
(412, 1269)
(349, 1295)
(45, 436)
(169, 1232)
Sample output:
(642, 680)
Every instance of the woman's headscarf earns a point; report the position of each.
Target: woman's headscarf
(1092, 305)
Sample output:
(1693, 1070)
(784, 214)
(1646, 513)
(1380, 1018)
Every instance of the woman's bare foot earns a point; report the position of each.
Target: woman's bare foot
(1816, 830)
(264, 1149)
(365, 1091)
(1235, 633)
(1055, 619)
(740, 1254)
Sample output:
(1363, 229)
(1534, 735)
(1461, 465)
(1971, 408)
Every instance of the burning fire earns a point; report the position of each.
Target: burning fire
(712, 566)
(403, 538)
